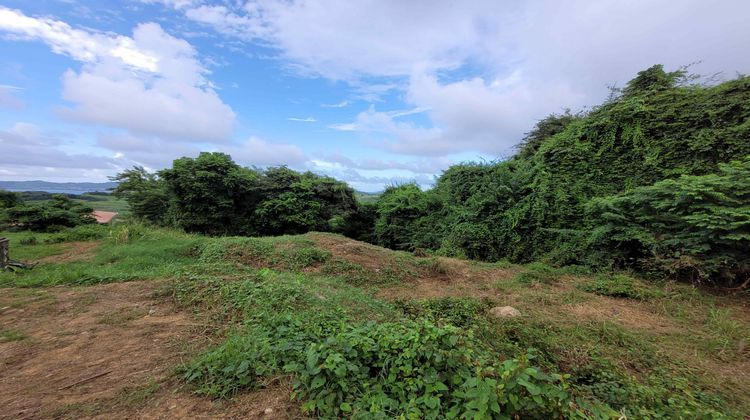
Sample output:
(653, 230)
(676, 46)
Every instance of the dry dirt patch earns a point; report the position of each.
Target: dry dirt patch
(73, 251)
(631, 314)
(88, 350)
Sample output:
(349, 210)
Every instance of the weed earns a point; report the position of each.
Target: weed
(12, 335)
(537, 273)
(29, 240)
(461, 312)
(622, 286)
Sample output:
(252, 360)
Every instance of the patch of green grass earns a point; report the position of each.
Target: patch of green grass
(144, 254)
(537, 273)
(287, 252)
(621, 286)
(107, 203)
(12, 335)
(461, 312)
(351, 353)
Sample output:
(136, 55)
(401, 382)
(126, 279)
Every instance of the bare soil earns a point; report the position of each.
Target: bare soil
(72, 252)
(109, 351)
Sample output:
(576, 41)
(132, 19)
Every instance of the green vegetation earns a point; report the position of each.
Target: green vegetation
(213, 195)
(603, 208)
(58, 213)
(11, 335)
(654, 179)
(292, 306)
(620, 286)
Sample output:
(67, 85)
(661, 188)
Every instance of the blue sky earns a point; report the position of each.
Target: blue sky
(371, 92)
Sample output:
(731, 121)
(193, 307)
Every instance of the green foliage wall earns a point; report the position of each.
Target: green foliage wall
(534, 206)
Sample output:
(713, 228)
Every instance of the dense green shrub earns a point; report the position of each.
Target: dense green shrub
(579, 188)
(693, 227)
(9, 199)
(212, 194)
(49, 216)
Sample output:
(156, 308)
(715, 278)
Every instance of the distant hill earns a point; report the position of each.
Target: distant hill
(75, 188)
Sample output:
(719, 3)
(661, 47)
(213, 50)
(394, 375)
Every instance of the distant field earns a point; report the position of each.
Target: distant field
(99, 201)
(106, 203)
(366, 198)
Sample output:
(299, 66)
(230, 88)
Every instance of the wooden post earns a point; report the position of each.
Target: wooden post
(4, 252)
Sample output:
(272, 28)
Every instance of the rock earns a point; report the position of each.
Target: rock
(268, 411)
(505, 312)
(151, 311)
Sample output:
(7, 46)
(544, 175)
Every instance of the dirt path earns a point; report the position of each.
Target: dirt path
(73, 251)
(108, 351)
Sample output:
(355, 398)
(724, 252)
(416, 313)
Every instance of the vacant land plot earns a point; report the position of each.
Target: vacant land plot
(141, 322)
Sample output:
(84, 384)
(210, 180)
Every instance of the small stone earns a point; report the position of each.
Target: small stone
(268, 411)
(151, 311)
(505, 312)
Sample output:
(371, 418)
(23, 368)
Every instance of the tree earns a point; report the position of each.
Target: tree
(52, 215)
(211, 194)
(146, 194)
(9, 199)
(297, 203)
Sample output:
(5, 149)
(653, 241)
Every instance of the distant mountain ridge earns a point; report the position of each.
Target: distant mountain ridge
(57, 187)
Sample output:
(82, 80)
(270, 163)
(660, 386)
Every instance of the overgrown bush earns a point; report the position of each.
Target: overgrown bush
(694, 228)
(212, 194)
(642, 181)
(51, 216)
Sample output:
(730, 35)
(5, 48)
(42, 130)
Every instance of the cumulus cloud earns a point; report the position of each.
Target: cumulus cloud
(259, 152)
(487, 70)
(28, 151)
(156, 153)
(150, 84)
(79, 44)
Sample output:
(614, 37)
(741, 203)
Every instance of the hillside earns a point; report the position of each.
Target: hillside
(242, 318)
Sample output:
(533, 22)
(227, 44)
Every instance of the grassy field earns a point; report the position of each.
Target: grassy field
(104, 202)
(107, 203)
(343, 328)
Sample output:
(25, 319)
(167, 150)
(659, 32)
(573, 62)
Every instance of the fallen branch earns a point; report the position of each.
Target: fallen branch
(85, 380)
(740, 287)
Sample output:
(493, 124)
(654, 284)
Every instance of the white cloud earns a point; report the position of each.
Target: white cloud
(81, 45)
(259, 152)
(429, 166)
(342, 104)
(486, 69)
(150, 84)
(26, 146)
(177, 4)
(307, 119)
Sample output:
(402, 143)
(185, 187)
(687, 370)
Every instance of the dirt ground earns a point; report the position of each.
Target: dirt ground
(109, 351)
(73, 251)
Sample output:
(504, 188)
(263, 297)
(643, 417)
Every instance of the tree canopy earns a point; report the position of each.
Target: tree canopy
(212, 194)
